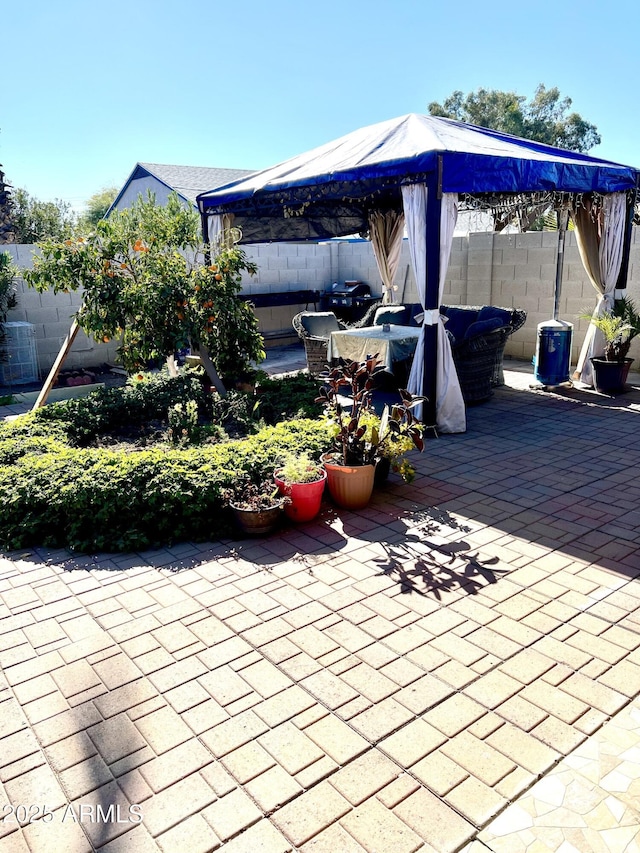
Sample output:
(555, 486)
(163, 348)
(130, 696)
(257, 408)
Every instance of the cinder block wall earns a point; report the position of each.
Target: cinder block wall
(511, 270)
(51, 315)
(519, 271)
(286, 267)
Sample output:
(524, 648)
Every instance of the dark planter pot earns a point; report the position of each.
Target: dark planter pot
(383, 468)
(609, 377)
(257, 522)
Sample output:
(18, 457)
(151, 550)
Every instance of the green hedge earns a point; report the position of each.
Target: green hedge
(106, 410)
(56, 495)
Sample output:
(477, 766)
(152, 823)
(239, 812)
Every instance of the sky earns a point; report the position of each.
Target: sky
(91, 89)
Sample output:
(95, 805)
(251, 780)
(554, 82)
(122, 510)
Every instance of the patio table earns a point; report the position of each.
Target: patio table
(398, 344)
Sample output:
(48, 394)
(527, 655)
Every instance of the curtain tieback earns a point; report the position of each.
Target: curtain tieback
(431, 317)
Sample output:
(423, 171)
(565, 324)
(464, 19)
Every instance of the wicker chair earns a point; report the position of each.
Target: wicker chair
(314, 329)
(475, 360)
(513, 318)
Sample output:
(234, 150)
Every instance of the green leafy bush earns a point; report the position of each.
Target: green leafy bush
(288, 397)
(91, 498)
(149, 397)
(145, 397)
(183, 422)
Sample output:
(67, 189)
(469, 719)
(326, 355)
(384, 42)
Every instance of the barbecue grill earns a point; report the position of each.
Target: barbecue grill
(349, 300)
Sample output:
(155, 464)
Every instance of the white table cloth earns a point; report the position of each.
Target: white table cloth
(356, 344)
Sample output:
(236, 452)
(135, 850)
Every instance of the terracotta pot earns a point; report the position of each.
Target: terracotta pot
(257, 522)
(306, 498)
(350, 486)
(609, 377)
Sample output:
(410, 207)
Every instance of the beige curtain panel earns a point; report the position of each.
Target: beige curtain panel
(386, 230)
(600, 241)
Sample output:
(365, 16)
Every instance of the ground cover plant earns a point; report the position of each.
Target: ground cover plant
(75, 474)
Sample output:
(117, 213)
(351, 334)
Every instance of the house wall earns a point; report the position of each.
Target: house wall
(141, 186)
(511, 270)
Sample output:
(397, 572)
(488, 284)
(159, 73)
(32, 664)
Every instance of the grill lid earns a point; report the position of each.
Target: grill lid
(350, 288)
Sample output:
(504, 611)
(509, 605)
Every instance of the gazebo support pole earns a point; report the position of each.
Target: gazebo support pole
(432, 301)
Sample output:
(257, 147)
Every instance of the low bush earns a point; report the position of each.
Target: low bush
(289, 397)
(61, 484)
(87, 499)
(145, 398)
(152, 398)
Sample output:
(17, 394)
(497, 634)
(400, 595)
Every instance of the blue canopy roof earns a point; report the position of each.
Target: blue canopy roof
(328, 191)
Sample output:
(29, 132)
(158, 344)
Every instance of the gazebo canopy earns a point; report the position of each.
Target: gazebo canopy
(413, 171)
(330, 191)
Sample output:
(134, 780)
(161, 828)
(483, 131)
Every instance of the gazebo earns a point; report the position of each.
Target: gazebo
(414, 173)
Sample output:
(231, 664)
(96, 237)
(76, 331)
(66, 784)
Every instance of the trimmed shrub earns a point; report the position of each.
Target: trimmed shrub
(87, 499)
(140, 401)
(289, 397)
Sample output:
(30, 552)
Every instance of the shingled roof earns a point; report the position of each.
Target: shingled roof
(189, 181)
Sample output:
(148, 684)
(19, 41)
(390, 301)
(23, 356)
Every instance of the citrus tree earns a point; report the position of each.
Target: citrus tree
(148, 282)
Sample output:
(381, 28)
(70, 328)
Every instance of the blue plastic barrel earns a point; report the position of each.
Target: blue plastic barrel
(553, 352)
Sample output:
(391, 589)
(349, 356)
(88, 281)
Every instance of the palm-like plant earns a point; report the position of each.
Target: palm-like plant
(619, 327)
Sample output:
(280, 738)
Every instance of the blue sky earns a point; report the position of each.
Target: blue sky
(94, 88)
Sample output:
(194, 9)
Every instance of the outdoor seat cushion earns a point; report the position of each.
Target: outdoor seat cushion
(390, 314)
(320, 324)
(483, 327)
(489, 312)
(458, 320)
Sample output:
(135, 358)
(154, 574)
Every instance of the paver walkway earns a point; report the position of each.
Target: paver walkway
(455, 667)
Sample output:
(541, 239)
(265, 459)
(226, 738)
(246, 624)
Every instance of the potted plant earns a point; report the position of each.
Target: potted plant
(361, 438)
(256, 506)
(301, 480)
(619, 327)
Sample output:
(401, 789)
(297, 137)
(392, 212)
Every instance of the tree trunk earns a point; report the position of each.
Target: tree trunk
(172, 366)
(211, 371)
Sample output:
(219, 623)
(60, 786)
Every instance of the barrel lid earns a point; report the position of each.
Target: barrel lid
(555, 324)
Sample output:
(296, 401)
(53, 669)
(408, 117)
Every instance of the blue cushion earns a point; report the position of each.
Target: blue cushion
(414, 309)
(483, 327)
(390, 314)
(488, 312)
(320, 324)
(458, 320)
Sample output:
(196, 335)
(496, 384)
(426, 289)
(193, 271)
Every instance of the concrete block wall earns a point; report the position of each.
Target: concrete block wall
(511, 270)
(285, 267)
(51, 315)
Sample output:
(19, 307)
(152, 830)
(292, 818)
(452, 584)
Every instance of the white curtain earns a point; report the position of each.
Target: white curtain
(386, 230)
(450, 410)
(218, 224)
(600, 244)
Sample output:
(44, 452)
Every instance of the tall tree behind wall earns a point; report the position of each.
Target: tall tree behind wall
(7, 231)
(546, 118)
(36, 220)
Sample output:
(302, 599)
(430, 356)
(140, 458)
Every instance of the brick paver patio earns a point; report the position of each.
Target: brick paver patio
(454, 668)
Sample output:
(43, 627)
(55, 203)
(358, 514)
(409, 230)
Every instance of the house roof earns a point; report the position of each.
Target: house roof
(190, 181)
(187, 181)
